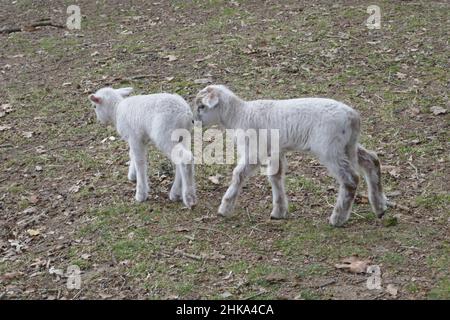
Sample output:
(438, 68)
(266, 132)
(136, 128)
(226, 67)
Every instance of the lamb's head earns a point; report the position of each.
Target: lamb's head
(105, 100)
(209, 102)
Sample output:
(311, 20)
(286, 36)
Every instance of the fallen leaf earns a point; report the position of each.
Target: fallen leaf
(394, 173)
(392, 290)
(4, 109)
(168, 79)
(29, 210)
(436, 110)
(74, 189)
(33, 199)
(55, 271)
(27, 134)
(400, 75)
(33, 232)
(85, 256)
(202, 81)
(3, 128)
(414, 111)
(353, 264)
(171, 57)
(181, 229)
(215, 179)
(10, 275)
(38, 168)
(225, 295)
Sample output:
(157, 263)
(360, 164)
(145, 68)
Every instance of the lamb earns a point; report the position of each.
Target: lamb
(327, 128)
(149, 118)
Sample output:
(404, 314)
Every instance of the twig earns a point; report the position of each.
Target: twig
(330, 282)
(395, 205)
(188, 255)
(215, 230)
(255, 295)
(33, 25)
(77, 294)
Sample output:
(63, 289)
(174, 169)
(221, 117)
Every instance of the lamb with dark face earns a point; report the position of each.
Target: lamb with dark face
(327, 128)
(149, 118)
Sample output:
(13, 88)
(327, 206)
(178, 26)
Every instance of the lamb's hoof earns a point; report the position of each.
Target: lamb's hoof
(225, 209)
(173, 196)
(141, 196)
(382, 208)
(279, 214)
(190, 200)
(338, 220)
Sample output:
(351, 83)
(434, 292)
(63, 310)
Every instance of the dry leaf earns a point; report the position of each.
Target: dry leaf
(10, 275)
(354, 265)
(27, 134)
(400, 75)
(202, 81)
(74, 189)
(33, 199)
(438, 110)
(33, 232)
(171, 57)
(225, 295)
(181, 229)
(215, 179)
(3, 128)
(392, 290)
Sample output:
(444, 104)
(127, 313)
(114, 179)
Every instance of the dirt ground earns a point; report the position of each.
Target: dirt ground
(64, 195)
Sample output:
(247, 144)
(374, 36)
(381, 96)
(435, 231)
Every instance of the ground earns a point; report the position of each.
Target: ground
(64, 195)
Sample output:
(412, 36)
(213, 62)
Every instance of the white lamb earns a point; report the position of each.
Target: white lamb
(144, 118)
(327, 128)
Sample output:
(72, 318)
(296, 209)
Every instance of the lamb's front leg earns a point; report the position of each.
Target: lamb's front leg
(139, 151)
(240, 174)
(280, 201)
(175, 190)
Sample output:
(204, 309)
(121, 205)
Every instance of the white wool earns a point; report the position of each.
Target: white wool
(148, 118)
(327, 128)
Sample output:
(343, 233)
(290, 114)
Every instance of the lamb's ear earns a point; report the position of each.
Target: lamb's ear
(124, 92)
(95, 99)
(211, 98)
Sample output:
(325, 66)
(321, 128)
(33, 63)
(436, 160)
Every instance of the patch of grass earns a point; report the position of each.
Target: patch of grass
(309, 294)
(433, 201)
(441, 291)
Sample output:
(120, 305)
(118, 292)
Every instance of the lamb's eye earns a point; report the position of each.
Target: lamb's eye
(201, 107)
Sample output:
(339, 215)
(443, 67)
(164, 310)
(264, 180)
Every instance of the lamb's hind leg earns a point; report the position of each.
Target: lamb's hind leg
(348, 180)
(132, 168)
(280, 201)
(188, 184)
(370, 165)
